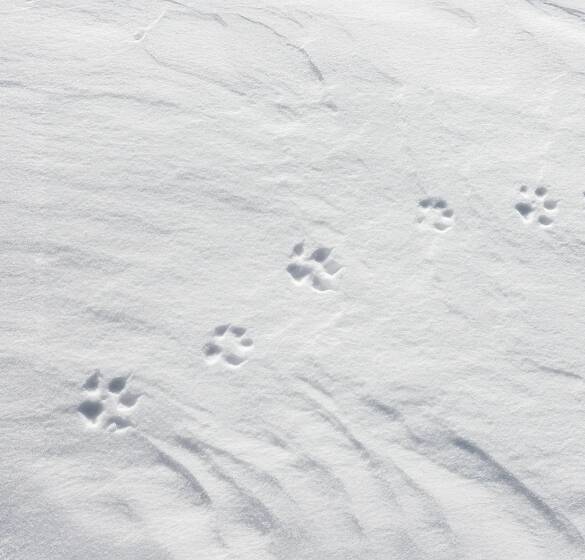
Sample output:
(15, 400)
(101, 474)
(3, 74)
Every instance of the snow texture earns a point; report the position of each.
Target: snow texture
(292, 281)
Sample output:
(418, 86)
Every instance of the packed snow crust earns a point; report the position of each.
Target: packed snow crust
(292, 281)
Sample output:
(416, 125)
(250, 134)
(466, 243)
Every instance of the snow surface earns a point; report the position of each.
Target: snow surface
(296, 280)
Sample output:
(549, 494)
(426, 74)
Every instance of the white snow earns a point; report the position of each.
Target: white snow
(292, 281)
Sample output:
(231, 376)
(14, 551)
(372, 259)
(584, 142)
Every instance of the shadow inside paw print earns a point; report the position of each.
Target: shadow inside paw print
(107, 406)
(535, 205)
(435, 214)
(229, 345)
(318, 268)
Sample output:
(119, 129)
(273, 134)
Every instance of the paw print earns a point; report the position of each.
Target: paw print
(229, 345)
(435, 214)
(536, 205)
(318, 268)
(108, 405)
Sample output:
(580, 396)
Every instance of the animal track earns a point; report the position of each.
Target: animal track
(435, 214)
(536, 206)
(107, 406)
(318, 268)
(229, 345)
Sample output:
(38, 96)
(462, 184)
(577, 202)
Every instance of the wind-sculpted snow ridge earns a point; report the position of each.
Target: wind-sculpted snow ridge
(292, 281)
(465, 458)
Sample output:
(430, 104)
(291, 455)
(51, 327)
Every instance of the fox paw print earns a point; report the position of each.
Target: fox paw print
(229, 345)
(535, 205)
(107, 405)
(435, 214)
(317, 269)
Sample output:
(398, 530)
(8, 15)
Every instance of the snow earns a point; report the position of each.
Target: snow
(296, 281)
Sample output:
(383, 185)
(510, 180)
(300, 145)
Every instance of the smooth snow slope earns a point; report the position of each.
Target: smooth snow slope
(175, 171)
